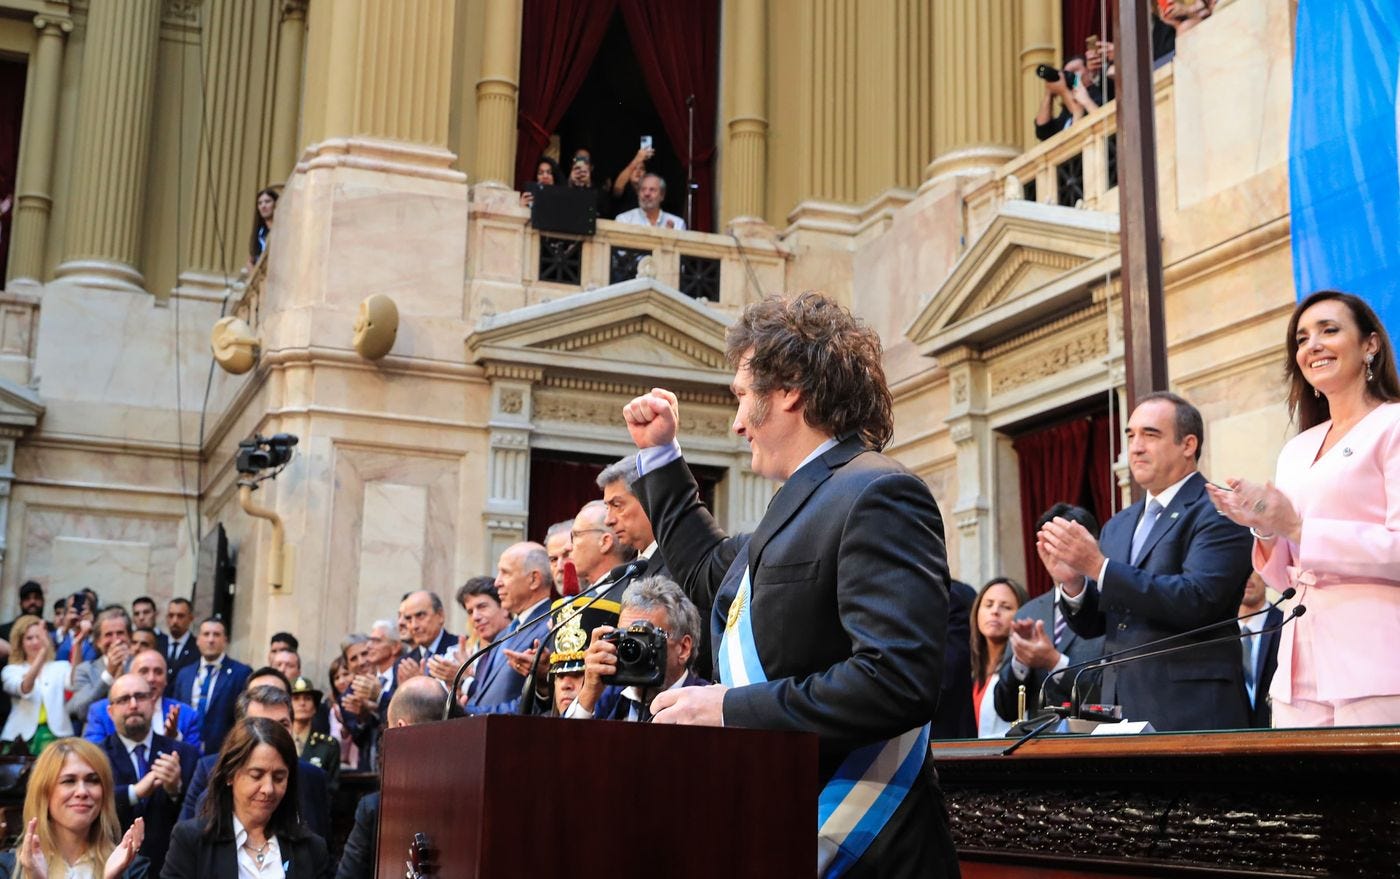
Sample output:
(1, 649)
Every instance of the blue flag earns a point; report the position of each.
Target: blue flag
(1344, 164)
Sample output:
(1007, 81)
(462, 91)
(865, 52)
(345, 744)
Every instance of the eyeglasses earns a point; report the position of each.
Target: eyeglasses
(573, 535)
(132, 699)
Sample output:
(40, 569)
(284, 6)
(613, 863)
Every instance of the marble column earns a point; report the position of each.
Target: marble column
(976, 79)
(1037, 47)
(747, 161)
(286, 95)
(34, 196)
(497, 94)
(113, 131)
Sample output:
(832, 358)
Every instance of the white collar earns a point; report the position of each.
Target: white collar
(131, 744)
(217, 662)
(1168, 494)
(529, 613)
(820, 450)
(648, 552)
(636, 695)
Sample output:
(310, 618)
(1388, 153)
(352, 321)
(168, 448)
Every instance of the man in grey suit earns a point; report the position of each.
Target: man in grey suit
(92, 679)
(1042, 643)
(830, 618)
(1166, 565)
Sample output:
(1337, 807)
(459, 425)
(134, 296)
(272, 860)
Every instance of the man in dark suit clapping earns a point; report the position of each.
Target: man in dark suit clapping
(831, 617)
(1166, 565)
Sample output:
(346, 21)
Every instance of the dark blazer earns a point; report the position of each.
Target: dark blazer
(444, 644)
(315, 805)
(161, 811)
(223, 699)
(99, 723)
(357, 861)
(1075, 648)
(849, 607)
(1261, 715)
(955, 719)
(197, 855)
(612, 706)
(1192, 573)
(189, 655)
(497, 689)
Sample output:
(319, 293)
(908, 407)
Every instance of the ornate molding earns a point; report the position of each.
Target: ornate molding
(180, 12)
(625, 389)
(575, 408)
(996, 288)
(1046, 330)
(512, 401)
(647, 327)
(514, 372)
(1016, 372)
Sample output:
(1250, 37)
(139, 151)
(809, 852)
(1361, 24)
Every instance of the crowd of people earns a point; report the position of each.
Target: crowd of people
(633, 197)
(158, 751)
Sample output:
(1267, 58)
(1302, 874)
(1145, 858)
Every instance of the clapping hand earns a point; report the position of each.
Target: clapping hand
(1032, 646)
(31, 853)
(125, 852)
(1261, 507)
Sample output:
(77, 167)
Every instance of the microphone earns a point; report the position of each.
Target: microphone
(1237, 636)
(1099, 660)
(527, 702)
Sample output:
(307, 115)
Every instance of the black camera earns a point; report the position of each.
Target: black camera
(261, 453)
(1047, 73)
(641, 655)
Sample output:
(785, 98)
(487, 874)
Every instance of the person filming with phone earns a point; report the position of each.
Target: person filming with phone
(1070, 86)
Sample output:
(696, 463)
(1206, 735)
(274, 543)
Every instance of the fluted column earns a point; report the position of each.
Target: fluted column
(113, 128)
(977, 81)
(1037, 47)
(286, 95)
(831, 124)
(34, 196)
(225, 179)
(747, 162)
(496, 94)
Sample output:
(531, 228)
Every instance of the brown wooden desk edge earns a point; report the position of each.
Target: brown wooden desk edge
(1236, 743)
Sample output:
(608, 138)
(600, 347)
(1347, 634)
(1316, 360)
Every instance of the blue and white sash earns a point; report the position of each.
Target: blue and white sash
(870, 783)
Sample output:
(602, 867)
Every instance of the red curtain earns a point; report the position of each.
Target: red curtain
(1103, 488)
(557, 490)
(1052, 471)
(1080, 18)
(12, 76)
(677, 45)
(560, 40)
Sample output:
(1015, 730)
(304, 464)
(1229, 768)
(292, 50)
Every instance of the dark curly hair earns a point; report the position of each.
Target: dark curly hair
(810, 344)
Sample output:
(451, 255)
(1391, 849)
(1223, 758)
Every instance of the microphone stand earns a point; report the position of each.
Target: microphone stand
(690, 162)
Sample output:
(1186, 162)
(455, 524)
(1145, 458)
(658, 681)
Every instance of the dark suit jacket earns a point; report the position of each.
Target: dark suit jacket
(197, 855)
(955, 719)
(1075, 648)
(189, 655)
(315, 800)
(1261, 715)
(161, 811)
(612, 706)
(223, 698)
(1192, 573)
(357, 861)
(849, 609)
(444, 644)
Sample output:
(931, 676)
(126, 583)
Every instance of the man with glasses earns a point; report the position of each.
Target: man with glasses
(150, 772)
(601, 559)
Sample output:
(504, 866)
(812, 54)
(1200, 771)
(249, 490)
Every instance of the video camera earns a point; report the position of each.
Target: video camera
(641, 655)
(260, 453)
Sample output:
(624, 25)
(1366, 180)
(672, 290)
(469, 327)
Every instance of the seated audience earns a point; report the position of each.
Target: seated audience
(650, 192)
(70, 820)
(997, 601)
(250, 820)
(1042, 642)
(213, 684)
(269, 703)
(318, 749)
(36, 684)
(418, 701)
(662, 603)
(173, 718)
(150, 772)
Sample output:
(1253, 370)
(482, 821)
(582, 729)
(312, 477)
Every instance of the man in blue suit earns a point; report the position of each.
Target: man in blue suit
(150, 772)
(274, 704)
(523, 582)
(149, 665)
(1260, 651)
(179, 644)
(212, 685)
(1169, 564)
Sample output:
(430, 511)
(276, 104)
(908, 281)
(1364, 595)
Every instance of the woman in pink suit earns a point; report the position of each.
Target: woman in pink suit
(1330, 524)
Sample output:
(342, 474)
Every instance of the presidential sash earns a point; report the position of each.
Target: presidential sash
(870, 783)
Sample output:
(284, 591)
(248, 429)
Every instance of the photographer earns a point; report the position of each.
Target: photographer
(1071, 87)
(654, 600)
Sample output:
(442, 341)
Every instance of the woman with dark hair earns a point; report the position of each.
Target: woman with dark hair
(992, 612)
(70, 820)
(248, 826)
(1330, 524)
(546, 174)
(340, 680)
(263, 209)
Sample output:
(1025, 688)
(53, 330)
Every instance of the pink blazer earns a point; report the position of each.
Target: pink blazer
(1347, 566)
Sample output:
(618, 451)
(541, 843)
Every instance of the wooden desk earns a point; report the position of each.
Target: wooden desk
(1286, 803)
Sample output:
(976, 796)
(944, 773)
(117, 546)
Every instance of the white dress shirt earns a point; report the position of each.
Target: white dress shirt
(130, 745)
(248, 865)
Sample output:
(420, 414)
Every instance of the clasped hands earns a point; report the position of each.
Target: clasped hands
(1261, 507)
(163, 772)
(1069, 553)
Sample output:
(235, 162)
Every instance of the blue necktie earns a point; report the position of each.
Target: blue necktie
(1144, 528)
(209, 671)
(141, 766)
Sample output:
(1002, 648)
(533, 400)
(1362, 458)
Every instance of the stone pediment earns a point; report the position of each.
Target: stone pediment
(640, 330)
(1033, 263)
(20, 407)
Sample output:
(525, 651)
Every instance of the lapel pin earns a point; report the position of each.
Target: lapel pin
(1346, 452)
(1174, 515)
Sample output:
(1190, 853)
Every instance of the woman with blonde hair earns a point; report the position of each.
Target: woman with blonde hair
(70, 820)
(36, 683)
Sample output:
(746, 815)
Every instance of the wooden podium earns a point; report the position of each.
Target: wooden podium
(502, 795)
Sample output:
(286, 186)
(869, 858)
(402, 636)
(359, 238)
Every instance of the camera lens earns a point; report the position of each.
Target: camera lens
(629, 650)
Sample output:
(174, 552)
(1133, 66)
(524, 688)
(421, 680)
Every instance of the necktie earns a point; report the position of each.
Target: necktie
(209, 670)
(141, 766)
(1144, 528)
(1061, 623)
(1248, 659)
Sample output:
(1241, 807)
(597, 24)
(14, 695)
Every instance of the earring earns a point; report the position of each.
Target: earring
(1315, 393)
(1370, 376)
